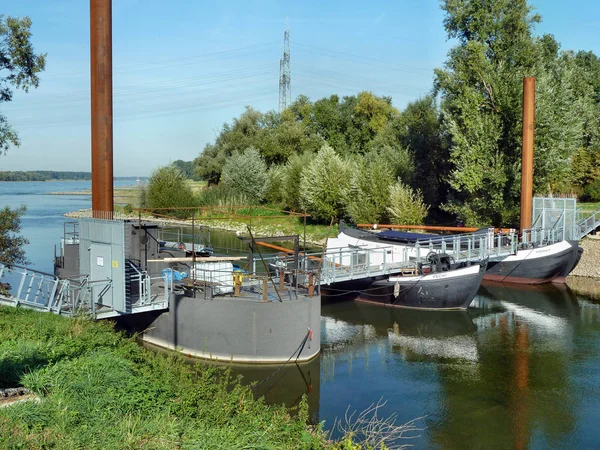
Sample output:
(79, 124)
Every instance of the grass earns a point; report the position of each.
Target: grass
(589, 206)
(99, 389)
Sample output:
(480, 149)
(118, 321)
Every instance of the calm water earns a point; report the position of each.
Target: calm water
(519, 369)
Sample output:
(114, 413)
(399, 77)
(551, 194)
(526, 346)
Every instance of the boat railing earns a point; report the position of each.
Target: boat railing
(539, 237)
(472, 245)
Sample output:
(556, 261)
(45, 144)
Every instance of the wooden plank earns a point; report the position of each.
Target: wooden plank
(201, 259)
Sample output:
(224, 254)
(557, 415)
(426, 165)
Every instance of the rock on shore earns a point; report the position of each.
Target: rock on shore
(589, 266)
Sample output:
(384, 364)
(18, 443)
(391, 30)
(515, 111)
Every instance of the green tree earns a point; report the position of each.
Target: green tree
(187, 168)
(246, 173)
(406, 205)
(236, 137)
(292, 174)
(325, 184)
(275, 180)
(167, 189)
(369, 194)
(20, 67)
(481, 91)
(12, 243)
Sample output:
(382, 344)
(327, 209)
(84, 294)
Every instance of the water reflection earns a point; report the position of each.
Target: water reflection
(286, 384)
(518, 370)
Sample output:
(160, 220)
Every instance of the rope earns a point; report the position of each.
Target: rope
(298, 350)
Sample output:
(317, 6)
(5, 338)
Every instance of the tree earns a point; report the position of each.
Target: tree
(240, 135)
(246, 173)
(325, 184)
(369, 195)
(19, 68)
(481, 92)
(12, 243)
(406, 205)
(187, 168)
(167, 189)
(292, 174)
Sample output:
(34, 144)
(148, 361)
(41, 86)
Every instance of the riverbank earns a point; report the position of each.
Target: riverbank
(99, 389)
(589, 265)
(315, 234)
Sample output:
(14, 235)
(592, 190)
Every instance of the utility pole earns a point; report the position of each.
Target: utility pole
(102, 108)
(285, 88)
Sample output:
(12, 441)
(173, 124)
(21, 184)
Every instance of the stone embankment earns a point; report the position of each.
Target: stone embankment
(589, 266)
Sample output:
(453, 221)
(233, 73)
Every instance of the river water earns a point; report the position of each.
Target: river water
(519, 369)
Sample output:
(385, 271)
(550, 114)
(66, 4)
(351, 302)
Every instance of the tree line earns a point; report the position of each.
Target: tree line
(454, 154)
(43, 175)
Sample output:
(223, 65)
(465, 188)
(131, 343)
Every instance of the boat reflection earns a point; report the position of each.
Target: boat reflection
(523, 392)
(506, 365)
(412, 333)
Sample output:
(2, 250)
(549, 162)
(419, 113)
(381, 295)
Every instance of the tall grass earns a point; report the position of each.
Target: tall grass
(99, 389)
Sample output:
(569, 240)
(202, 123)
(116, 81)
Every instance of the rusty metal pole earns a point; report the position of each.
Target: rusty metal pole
(527, 161)
(102, 108)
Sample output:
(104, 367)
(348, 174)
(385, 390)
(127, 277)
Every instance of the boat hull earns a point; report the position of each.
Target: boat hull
(449, 290)
(551, 263)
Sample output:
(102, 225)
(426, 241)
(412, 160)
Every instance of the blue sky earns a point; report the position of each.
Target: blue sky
(183, 68)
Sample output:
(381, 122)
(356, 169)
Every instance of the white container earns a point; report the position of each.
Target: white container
(218, 274)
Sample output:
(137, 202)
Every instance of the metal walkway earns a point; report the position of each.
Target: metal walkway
(587, 222)
(349, 262)
(21, 286)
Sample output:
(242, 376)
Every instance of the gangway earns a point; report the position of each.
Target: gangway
(79, 295)
(587, 222)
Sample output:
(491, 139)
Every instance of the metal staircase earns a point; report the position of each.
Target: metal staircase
(73, 296)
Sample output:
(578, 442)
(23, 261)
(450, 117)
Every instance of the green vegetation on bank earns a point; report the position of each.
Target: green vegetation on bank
(99, 389)
(48, 175)
(455, 152)
(43, 175)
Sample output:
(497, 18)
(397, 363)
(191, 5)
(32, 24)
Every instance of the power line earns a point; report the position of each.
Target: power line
(214, 56)
(330, 53)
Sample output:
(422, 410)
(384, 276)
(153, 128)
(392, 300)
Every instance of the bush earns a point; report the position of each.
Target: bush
(292, 174)
(406, 206)
(222, 195)
(325, 185)
(167, 188)
(591, 192)
(370, 189)
(246, 173)
(275, 180)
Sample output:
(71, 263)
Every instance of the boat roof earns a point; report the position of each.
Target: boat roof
(387, 235)
(405, 236)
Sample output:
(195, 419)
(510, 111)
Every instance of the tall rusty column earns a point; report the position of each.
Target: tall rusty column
(102, 108)
(527, 161)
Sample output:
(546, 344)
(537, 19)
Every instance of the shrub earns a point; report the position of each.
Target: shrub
(591, 192)
(275, 180)
(246, 173)
(406, 206)
(223, 195)
(370, 189)
(292, 173)
(167, 188)
(325, 185)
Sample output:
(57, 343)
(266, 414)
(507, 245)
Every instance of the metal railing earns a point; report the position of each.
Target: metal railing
(78, 295)
(279, 285)
(587, 222)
